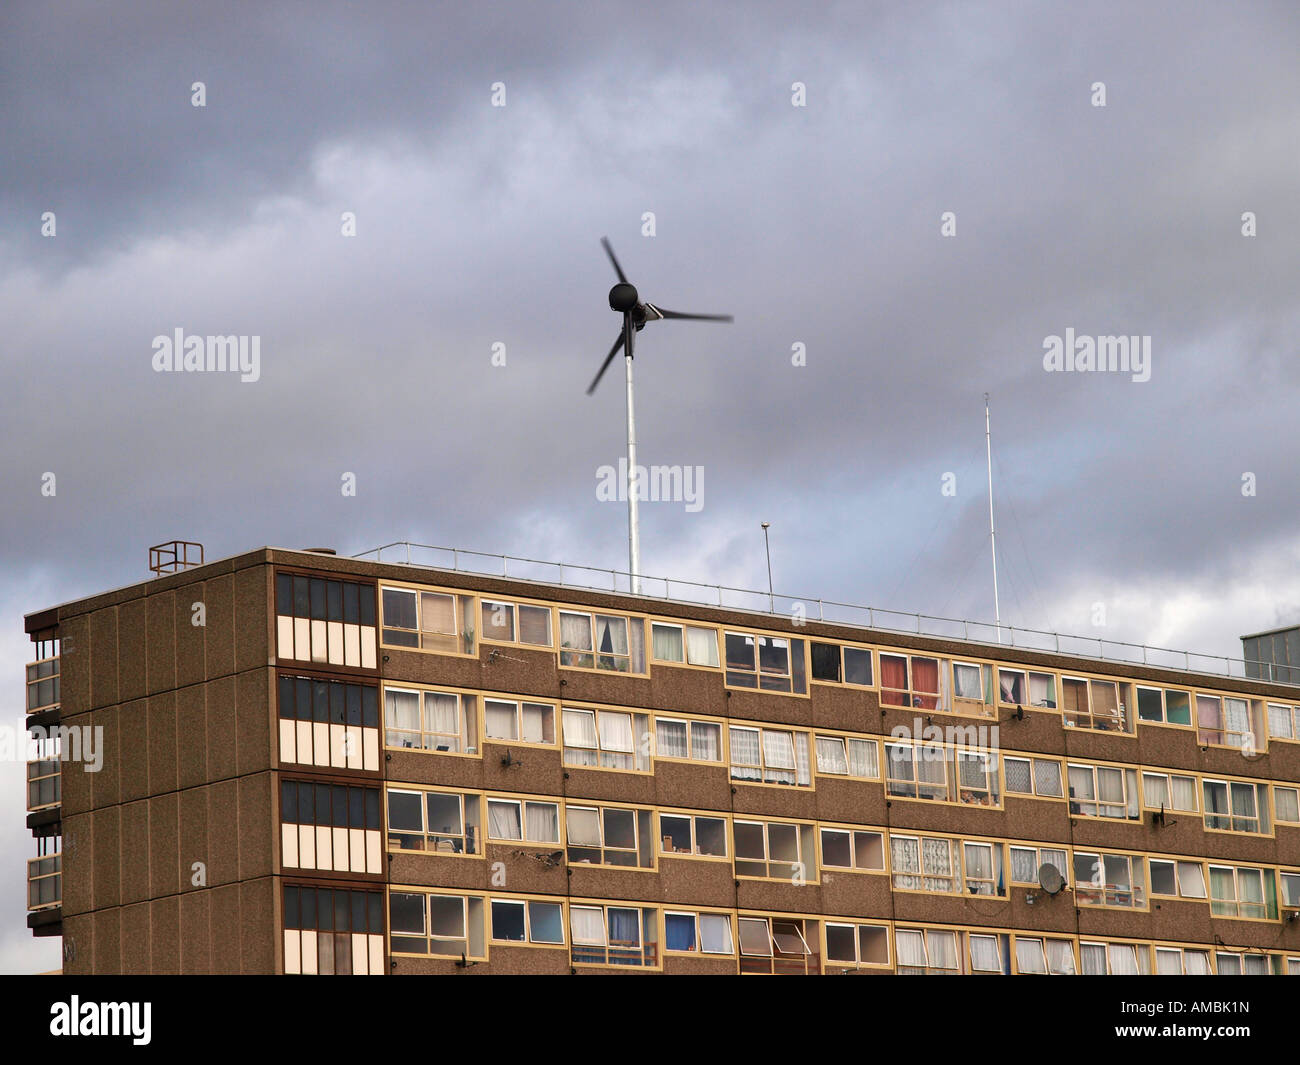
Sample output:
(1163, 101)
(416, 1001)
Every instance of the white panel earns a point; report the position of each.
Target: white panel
(292, 952)
(370, 744)
(306, 847)
(304, 742)
(373, 852)
(321, 742)
(318, 649)
(288, 741)
(352, 748)
(376, 955)
(338, 748)
(334, 638)
(360, 955)
(289, 847)
(341, 851)
(352, 645)
(283, 636)
(367, 646)
(324, 852)
(301, 639)
(309, 965)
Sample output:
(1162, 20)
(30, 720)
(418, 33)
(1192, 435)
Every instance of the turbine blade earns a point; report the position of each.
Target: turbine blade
(691, 317)
(605, 365)
(610, 252)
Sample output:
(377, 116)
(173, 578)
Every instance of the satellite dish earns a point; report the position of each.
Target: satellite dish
(1050, 878)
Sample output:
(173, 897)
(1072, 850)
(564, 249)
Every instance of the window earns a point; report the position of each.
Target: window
(306, 802)
(857, 945)
(914, 681)
(926, 952)
(527, 921)
(691, 645)
(1103, 791)
(770, 756)
(705, 933)
(1229, 722)
(1291, 889)
(1286, 804)
(444, 926)
(1235, 806)
(431, 621)
(836, 664)
(929, 771)
(972, 689)
(1114, 959)
(308, 701)
(693, 834)
(1032, 776)
(1239, 892)
(606, 738)
(43, 783)
(699, 741)
(924, 863)
(1018, 687)
(602, 641)
(1169, 791)
(777, 945)
(523, 820)
(1283, 721)
(1044, 957)
(322, 925)
(1241, 964)
(613, 935)
(1093, 704)
(319, 620)
(774, 850)
(515, 623)
(608, 835)
(1108, 880)
(1026, 862)
(430, 721)
(769, 663)
(1177, 879)
(983, 865)
(43, 684)
(1177, 961)
(504, 719)
(987, 955)
(1165, 706)
(844, 848)
(439, 821)
(848, 756)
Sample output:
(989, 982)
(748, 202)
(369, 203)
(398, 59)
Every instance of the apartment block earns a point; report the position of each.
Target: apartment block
(324, 765)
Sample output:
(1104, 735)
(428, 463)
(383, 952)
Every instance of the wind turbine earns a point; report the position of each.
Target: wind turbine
(624, 299)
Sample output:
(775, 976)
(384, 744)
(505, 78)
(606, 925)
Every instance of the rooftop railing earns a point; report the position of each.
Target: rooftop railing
(595, 578)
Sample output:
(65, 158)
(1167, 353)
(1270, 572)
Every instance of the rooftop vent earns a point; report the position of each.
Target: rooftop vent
(319, 551)
(174, 556)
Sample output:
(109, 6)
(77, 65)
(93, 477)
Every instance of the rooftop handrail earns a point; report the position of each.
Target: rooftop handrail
(568, 574)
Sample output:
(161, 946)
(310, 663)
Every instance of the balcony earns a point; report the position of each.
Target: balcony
(43, 685)
(45, 895)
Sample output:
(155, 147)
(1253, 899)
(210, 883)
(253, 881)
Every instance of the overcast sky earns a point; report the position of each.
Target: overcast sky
(817, 225)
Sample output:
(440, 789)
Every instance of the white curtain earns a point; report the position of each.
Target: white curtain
(543, 822)
(500, 720)
(1287, 802)
(580, 732)
(803, 772)
(611, 635)
(911, 948)
(706, 741)
(830, 756)
(701, 647)
(1182, 793)
(715, 934)
(984, 955)
(1042, 689)
(1191, 882)
(575, 631)
(745, 753)
(535, 716)
(1060, 958)
(1169, 962)
(778, 750)
(670, 739)
(1123, 960)
(402, 710)
(1015, 772)
(937, 862)
(1243, 803)
(583, 825)
(587, 924)
(1110, 785)
(1081, 783)
(864, 759)
(1280, 721)
(1029, 956)
(979, 862)
(1236, 715)
(1047, 777)
(967, 681)
(942, 950)
(441, 716)
(905, 857)
(1197, 962)
(1024, 865)
(1054, 857)
(1094, 959)
(666, 643)
(615, 731)
(503, 821)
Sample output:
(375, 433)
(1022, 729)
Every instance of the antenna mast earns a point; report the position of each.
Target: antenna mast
(633, 520)
(993, 538)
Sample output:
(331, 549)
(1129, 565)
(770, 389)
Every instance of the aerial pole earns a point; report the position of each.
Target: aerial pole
(993, 538)
(633, 520)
